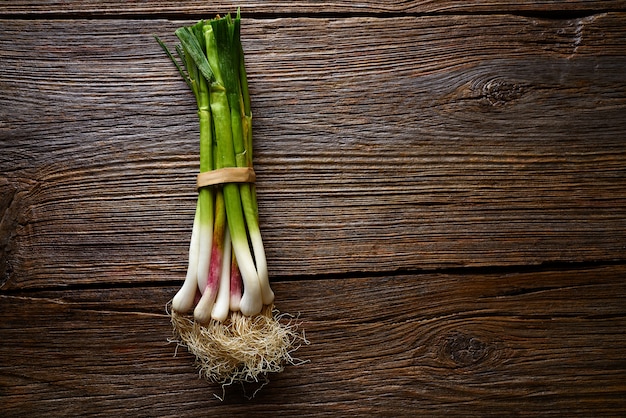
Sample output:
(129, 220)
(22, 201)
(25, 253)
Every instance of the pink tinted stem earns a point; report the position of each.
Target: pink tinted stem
(236, 284)
(217, 250)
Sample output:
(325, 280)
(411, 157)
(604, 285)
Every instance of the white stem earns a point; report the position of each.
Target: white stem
(222, 303)
(252, 300)
(184, 298)
(202, 312)
(261, 267)
(235, 302)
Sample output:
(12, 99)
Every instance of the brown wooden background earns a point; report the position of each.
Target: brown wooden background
(442, 190)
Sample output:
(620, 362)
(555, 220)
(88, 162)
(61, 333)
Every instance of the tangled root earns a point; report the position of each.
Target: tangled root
(239, 349)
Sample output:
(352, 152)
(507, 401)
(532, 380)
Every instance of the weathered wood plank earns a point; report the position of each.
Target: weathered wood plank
(197, 7)
(423, 143)
(501, 344)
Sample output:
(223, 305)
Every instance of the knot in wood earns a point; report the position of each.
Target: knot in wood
(498, 92)
(465, 350)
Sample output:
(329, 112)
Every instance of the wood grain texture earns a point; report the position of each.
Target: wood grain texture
(309, 7)
(427, 143)
(442, 190)
(500, 344)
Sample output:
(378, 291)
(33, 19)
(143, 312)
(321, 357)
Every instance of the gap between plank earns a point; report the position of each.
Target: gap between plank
(457, 271)
(550, 14)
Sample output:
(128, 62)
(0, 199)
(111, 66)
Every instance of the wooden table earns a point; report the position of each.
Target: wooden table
(442, 192)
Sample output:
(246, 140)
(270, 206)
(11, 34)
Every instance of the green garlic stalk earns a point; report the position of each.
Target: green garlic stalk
(235, 331)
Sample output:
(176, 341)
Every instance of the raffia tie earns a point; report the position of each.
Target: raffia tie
(226, 175)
